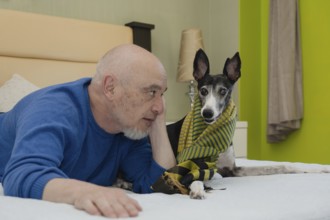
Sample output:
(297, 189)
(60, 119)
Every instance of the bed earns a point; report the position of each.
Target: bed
(39, 50)
(273, 197)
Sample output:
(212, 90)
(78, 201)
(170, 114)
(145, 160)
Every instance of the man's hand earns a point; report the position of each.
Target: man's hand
(160, 110)
(96, 200)
(161, 148)
(109, 202)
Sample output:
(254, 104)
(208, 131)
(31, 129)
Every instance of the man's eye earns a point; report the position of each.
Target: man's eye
(152, 93)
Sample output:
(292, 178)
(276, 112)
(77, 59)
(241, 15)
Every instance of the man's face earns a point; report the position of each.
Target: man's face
(140, 102)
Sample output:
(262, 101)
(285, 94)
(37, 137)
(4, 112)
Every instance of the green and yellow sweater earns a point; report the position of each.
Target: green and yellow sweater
(198, 150)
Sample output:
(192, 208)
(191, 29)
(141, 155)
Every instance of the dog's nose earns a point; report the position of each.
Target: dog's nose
(207, 113)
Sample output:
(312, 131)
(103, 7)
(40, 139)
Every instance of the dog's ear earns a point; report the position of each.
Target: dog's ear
(232, 68)
(201, 65)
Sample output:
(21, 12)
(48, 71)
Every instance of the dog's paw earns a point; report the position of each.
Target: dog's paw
(197, 190)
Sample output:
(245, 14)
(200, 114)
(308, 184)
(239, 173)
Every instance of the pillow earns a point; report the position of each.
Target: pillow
(14, 90)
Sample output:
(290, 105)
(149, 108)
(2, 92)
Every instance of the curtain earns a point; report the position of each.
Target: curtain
(285, 92)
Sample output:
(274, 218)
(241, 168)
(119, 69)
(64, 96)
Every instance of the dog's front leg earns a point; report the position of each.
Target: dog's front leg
(197, 190)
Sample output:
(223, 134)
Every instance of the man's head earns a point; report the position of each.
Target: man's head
(130, 82)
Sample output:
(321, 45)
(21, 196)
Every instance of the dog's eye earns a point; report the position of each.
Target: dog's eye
(204, 92)
(223, 91)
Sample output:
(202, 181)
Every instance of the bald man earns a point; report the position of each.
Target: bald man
(67, 143)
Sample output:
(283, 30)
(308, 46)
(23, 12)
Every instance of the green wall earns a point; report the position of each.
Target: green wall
(310, 143)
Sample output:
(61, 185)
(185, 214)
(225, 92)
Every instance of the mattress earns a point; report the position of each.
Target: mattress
(284, 196)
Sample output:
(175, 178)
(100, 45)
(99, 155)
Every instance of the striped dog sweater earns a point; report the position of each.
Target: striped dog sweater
(198, 150)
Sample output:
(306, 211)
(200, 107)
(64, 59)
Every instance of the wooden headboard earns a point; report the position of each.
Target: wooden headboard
(48, 50)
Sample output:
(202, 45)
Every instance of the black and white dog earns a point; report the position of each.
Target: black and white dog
(214, 93)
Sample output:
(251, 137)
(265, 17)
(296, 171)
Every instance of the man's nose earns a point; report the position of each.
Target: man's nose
(158, 106)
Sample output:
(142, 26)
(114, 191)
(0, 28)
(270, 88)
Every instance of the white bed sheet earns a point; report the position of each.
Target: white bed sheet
(287, 196)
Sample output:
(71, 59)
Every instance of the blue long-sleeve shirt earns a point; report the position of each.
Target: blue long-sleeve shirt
(52, 133)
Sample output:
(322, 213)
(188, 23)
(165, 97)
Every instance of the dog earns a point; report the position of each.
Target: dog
(214, 94)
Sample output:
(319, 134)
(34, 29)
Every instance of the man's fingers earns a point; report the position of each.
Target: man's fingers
(112, 203)
(117, 209)
(122, 207)
(120, 210)
(132, 206)
(132, 210)
(106, 208)
(88, 206)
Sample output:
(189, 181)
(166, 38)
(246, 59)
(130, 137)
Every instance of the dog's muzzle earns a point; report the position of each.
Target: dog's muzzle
(208, 116)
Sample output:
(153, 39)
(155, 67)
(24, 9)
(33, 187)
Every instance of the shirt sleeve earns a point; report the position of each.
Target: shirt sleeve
(37, 153)
(140, 168)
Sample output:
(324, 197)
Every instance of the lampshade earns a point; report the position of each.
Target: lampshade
(191, 41)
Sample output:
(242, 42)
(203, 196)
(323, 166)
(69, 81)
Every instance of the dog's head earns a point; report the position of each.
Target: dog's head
(215, 90)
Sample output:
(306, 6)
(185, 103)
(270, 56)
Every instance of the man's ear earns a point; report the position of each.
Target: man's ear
(109, 84)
